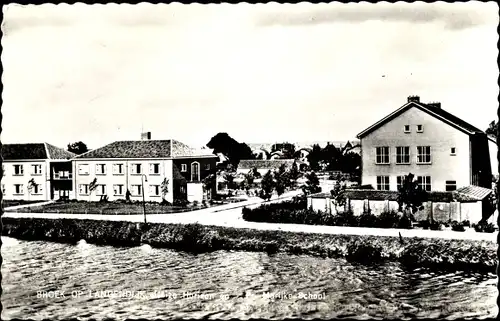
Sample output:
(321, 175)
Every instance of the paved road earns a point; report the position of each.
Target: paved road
(229, 215)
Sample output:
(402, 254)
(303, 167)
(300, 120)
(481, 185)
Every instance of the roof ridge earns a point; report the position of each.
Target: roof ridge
(46, 150)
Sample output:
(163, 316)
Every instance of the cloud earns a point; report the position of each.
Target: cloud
(454, 16)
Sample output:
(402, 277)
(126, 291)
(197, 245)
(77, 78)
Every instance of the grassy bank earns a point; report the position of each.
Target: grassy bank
(9, 203)
(413, 252)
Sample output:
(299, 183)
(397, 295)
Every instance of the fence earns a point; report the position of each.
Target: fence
(438, 211)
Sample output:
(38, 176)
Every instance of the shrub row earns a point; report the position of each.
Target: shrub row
(295, 212)
(195, 238)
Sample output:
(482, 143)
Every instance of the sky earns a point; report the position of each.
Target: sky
(262, 73)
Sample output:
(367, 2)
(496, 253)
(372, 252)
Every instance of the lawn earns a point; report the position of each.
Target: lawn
(84, 207)
(8, 203)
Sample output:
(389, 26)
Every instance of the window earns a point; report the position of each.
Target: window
(420, 128)
(451, 185)
(399, 182)
(182, 189)
(184, 168)
(100, 169)
(18, 189)
(118, 189)
(383, 183)
(382, 155)
(423, 155)
(136, 169)
(403, 155)
(424, 182)
(154, 169)
(100, 190)
(154, 190)
(18, 170)
(453, 151)
(3, 170)
(117, 169)
(136, 190)
(83, 189)
(407, 128)
(3, 189)
(195, 172)
(36, 189)
(36, 169)
(83, 169)
(207, 167)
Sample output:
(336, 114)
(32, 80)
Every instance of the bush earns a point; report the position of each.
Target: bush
(405, 222)
(181, 202)
(388, 219)
(484, 227)
(367, 219)
(346, 218)
(457, 227)
(435, 226)
(424, 224)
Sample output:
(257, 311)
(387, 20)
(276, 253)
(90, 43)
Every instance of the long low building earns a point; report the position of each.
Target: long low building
(152, 170)
(467, 203)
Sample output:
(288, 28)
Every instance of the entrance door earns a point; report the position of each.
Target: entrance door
(63, 194)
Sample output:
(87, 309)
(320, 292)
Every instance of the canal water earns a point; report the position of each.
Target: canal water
(60, 281)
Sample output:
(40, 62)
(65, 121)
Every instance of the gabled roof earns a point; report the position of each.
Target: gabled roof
(144, 149)
(266, 164)
(34, 151)
(436, 112)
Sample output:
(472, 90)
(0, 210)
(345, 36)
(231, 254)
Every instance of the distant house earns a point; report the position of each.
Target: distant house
(263, 166)
(441, 150)
(468, 203)
(36, 171)
(131, 167)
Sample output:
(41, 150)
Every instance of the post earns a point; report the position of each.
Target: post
(143, 198)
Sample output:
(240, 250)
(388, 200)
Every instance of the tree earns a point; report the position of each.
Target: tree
(492, 128)
(312, 184)
(338, 194)
(77, 148)
(164, 189)
(92, 187)
(229, 178)
(331, 155)
(208, 184)
(235, 151)
(294, 174)
(267, 185)
(314, 157)
(282, 180)
(410, 195)
(31, 185)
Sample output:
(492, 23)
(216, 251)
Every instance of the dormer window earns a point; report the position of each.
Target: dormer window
(407, 128)
(420, 128)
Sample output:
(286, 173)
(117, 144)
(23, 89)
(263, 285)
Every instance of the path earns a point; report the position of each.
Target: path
(229, 215)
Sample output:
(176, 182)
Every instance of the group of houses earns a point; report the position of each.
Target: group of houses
(450, 158)
(146, 169)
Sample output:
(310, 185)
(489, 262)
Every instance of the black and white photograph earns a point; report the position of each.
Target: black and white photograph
(250, 161)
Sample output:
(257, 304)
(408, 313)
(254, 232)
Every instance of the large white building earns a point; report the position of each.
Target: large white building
(441, 150)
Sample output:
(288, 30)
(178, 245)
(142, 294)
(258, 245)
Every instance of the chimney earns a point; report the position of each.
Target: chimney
(413, 99)
(434, 105)
(146, 136)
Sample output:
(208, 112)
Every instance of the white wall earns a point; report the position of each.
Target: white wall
(195, 192)
(127, 179)
(9, 180)
(440, 136)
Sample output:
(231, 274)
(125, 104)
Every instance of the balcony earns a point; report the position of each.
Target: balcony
(63, 176)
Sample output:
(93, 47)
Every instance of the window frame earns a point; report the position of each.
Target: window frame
(402, 156)
(421, 130)
(80, 166)
(20, 171)
(447, 184)
(424, 182)
(152, 166)
(195, 173)
(383, 183)
(101, 166)
(453, 151)
(121, 193)
(34, 171)
(136, 166)
(382, 156)
(86, 192)
(407, 129)
(423, 155)
(156, 187)
(21, 189)
(118, 166)
(183, 168)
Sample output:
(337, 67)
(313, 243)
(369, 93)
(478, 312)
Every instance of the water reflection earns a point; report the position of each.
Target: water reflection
(144, 282)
